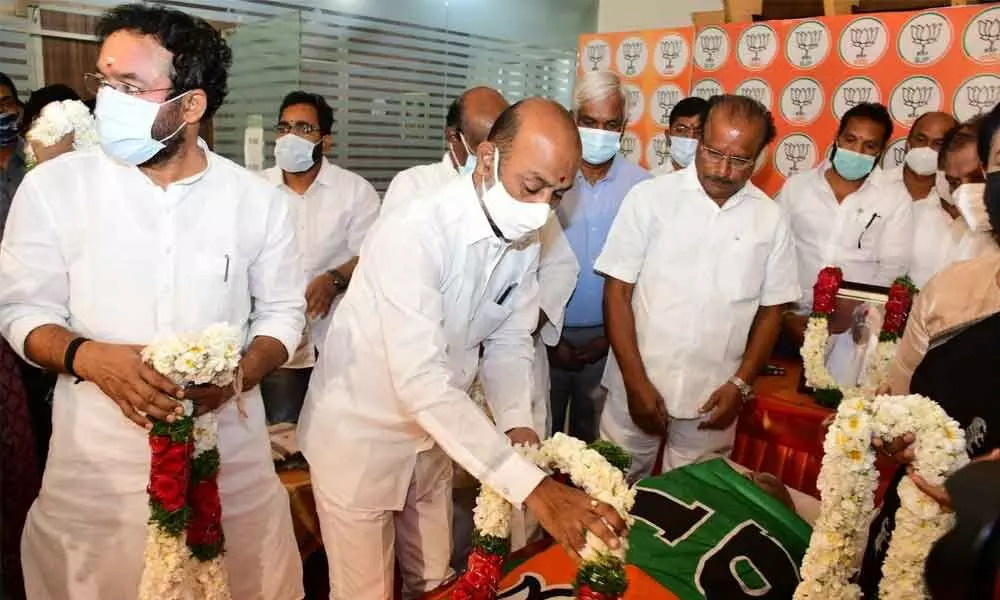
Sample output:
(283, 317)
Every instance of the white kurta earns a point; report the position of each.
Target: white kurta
(558, 270)
(869, 236)
(701, 272)
(94, 246)
(331, 220)
(403, 348)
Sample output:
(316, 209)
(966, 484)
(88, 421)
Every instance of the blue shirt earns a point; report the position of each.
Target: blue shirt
(586, 213)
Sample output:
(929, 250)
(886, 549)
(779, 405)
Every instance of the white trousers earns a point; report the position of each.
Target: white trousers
(362, 545)
(686, 444)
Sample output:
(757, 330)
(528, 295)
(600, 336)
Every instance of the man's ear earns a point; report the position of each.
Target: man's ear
(486, 155)
(327, 141)
(193, 106)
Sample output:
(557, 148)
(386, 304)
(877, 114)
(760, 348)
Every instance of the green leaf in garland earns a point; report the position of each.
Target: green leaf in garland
(205, 465)
(171, 522)
(605, 575)
(828, 397)
(207, 552)
(180, 430)
(491, 544)
(617, 456)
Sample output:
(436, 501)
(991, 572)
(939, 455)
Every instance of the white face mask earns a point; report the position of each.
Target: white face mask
(970, 198)
(682, 149)
(943, 188)
(923, 161)
(125, 125)
(514, 219)
(294, 154)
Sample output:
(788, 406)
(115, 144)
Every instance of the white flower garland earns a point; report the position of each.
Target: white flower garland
(588, 470)
(59, 119)
(847, 484)
(814, 355)
(171, 571)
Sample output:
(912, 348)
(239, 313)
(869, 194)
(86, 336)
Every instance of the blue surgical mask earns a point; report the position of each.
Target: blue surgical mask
(682, 149)
(599, 145)
(852, 165)
(470, 158)
(125, 126)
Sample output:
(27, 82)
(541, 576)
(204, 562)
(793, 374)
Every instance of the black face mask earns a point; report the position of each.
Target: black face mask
(8, 129)
(993, 199)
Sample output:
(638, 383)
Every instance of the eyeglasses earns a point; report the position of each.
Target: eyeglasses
(95, 81)
(682, 130)
(736, 162)
(298, 128)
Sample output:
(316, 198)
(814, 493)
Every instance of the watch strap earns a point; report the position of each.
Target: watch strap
(746, 390)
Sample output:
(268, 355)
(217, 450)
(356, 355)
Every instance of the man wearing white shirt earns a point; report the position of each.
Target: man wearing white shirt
(699, 264)
(332, 209)
(467, 124)
(105, 250)
(843, 214)
(916, 181)
(387, 407)
(683, 133)
(966, 185)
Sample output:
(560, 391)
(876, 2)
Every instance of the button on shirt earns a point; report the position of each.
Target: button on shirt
(586, 213)
(700, 272)
(433, 284)
(331, 220)
(869, 235)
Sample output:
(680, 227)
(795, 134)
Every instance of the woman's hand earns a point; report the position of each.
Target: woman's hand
(938, 492)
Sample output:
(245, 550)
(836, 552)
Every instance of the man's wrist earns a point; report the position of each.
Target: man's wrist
(339, 281)
(745, 389)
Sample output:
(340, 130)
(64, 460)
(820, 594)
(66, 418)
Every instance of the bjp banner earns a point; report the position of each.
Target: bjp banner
(810, 72)
(656, 69)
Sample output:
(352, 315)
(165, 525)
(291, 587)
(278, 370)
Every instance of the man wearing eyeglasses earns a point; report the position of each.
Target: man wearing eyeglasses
(683, 133)
(150, 235)
(698, 265)
(332, 209)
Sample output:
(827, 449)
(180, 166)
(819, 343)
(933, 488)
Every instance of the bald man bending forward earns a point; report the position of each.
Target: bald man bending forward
(387, 406)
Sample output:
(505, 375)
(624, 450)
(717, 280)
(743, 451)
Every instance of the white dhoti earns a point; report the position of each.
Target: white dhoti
(685, 445)
(86, 532)
(363, 545)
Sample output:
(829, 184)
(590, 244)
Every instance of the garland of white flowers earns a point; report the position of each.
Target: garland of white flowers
(185, 543)
(847, 484)
(817, 336)
(56, 121)
(588, 468)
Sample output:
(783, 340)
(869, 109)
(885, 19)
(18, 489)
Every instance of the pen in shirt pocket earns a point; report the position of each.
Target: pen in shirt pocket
(506, 293)
(871, 222)
(225, 276)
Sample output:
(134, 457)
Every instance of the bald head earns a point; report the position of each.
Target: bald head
(470, 118)
(929, 129)
(539, 149)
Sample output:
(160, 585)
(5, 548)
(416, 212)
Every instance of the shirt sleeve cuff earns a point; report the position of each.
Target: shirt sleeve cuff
(619, 272)
(288, 337)
(512, 419)
(515, 479)
(781, 296)
(22, 328)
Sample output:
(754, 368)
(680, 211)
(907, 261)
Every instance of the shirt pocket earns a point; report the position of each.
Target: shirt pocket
(219, 286)
(487, 319)
(864, 234)
(741, 271)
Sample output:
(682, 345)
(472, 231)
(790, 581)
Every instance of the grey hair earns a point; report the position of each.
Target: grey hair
(595, 86)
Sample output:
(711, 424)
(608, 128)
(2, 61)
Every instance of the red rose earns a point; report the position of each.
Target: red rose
(824, 302)
(168, 492)
(171, 459)
(205, 527)
(899, 291)
(484, 570)
(585, 593)
(829, 279)
(159, 443)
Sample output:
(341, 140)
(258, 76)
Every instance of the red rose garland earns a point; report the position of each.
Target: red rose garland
(897, 309)
(825, 291)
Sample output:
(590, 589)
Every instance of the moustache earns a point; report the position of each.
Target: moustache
(721, 181)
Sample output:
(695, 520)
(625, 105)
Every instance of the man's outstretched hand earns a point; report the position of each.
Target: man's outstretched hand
(567, 514)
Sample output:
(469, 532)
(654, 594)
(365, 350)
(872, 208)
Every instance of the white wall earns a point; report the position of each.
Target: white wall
(631, 15)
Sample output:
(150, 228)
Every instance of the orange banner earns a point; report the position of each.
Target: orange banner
(809, 72)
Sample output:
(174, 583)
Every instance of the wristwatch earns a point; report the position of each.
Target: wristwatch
(746, 392)
(339, 281)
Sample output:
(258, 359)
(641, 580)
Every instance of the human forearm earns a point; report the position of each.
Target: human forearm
(347, 269)
(264, 355)
(763, 336)
(619, 323)
(46, 346)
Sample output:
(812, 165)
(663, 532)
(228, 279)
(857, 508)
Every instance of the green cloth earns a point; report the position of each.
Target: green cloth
(706, 531)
